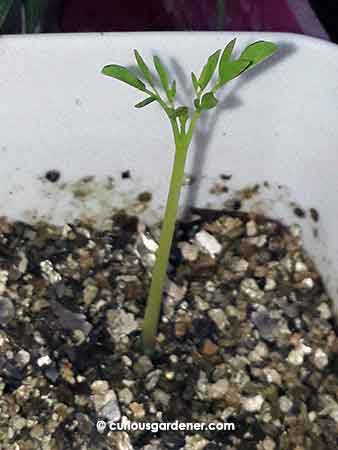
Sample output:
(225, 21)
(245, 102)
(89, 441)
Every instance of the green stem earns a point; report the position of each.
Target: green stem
(154, 302)
(153, 308)
(192, 126)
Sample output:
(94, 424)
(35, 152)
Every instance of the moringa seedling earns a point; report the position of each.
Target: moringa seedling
(183, 122)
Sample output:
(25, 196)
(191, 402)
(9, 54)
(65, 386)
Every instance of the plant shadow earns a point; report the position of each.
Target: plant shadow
(207, 126)
(285, 50)
(229, 101)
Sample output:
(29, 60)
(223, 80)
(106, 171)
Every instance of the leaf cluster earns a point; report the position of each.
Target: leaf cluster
(220, 68)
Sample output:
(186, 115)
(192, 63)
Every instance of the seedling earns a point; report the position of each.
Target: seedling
(183, 122)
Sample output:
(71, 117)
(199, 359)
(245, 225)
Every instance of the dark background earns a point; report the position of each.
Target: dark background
(327, 12)
(144, 15)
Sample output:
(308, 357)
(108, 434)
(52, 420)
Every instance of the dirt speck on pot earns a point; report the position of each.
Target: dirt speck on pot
(246, 336)
(225, 177)
(53, 176)
(299, 212)
(314, 214)
(145, 197)
(188, 180)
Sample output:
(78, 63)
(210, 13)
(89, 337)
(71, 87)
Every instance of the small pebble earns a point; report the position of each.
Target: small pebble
(173, 359)
(19, 423)
(23, 358)
(120, 323)
(252, 404)
(307, 283)
(251, 289)
(161, 397)
(268, 444)
(175, 292)
(189, 251)
(201, 305)
(295, 230)
(126, 396)
(149, 243)
(251, 228)
(152, 379)
(100, 387)
(208, 243)
(137, 410)
(219, 317)
(320, 359)
(312, 416)
(259, 352)
(127, 361)
(105, 401)
(89, 294)
(169, 375)
(270, 284)
(258, 241)
(209, 348)
(143, 365)
(44, 361)
(272, 376)
(37, 432)
(3, 280)
(218, 390)
(325, 311)
(285, 404)
(301, 267)
(180, 329)
(7, 311)
(49, 272)
(266, 325)
(240, 265)
(296, 356)
(195, 442)
(78, 337)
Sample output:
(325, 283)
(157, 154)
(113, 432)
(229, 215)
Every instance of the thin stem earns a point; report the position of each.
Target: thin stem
(154, 302)
(165, 107)
(153, 308)
(192, 126)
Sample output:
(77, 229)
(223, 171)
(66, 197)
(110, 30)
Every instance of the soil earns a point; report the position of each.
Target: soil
(247, 336)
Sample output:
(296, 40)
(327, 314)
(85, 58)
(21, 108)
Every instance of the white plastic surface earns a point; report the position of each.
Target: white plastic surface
(278, 123)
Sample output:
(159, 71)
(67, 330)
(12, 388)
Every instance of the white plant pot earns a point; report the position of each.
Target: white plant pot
(277, 123)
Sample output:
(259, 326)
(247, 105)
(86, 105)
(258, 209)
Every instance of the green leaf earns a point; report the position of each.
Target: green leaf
(123, 74)
(145, 102)
(180, 112)
(34, 11)
(208, 101)
(5, 6)
(231, 70)
(208, 70)
(197, 103)
(144, 68)
(225, 58)
(163, 74)
(258, 51)
(194, 82)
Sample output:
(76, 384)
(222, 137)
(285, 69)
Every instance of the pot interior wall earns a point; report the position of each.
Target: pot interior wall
(276, 124)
